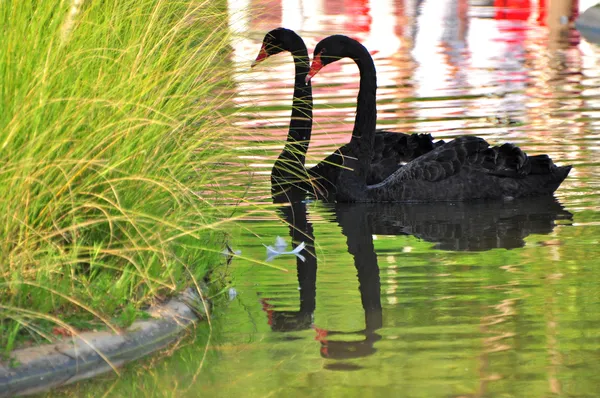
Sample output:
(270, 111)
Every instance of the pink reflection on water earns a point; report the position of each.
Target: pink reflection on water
(512, 71)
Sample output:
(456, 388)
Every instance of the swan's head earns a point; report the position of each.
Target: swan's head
(276, 41)
(331, 49)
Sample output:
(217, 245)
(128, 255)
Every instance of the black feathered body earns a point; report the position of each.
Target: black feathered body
(391, 151)
(466, 168)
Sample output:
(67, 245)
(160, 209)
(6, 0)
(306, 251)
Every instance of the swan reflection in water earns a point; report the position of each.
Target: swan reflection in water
(473, 226)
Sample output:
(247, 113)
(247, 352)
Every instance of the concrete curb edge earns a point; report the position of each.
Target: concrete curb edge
(44, 367)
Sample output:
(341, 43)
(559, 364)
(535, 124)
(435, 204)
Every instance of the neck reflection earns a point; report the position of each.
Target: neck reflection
(471, 226)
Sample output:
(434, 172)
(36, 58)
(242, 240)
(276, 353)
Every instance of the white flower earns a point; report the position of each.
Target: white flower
(278, 249)
(232, 293)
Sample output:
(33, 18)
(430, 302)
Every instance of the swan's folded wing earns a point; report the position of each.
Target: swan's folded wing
(392, 150)
(510, 161)
(401, 147)
(445, 160)
(473, 154)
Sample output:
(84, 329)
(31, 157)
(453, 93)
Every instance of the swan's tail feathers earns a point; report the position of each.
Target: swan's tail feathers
(541, 164)
(508, 160)
(561, 172)
(548, 182)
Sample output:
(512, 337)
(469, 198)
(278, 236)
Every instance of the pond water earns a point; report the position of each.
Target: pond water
(448, 300)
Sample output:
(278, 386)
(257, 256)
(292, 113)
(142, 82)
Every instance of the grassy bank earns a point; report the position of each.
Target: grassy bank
(109, 132)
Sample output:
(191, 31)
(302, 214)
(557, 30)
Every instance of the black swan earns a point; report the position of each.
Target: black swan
(466, 168)
(392, 149)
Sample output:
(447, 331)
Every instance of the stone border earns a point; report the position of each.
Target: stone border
(89, 354)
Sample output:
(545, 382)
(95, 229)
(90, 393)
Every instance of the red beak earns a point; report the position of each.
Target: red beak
(315, 67)
(262, 54)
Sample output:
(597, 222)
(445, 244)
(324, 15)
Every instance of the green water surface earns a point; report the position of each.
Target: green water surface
(451, 300)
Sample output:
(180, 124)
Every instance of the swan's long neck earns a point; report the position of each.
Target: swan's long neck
(290, 163)
(365, 121)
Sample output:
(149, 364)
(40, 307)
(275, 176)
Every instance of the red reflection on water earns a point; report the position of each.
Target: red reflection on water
(513, 9)
(359, 19)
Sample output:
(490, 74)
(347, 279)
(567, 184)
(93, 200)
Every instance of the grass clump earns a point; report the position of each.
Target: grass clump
(109, 131)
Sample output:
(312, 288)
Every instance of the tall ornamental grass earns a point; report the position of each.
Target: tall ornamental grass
(110, 129)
